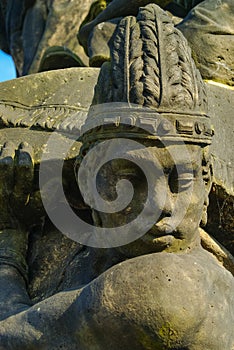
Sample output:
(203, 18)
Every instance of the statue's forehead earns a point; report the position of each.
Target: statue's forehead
(163, 157)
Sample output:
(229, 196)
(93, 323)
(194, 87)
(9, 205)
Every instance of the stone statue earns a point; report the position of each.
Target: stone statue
(162, 290)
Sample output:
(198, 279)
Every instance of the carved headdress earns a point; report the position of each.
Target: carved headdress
(150, 81)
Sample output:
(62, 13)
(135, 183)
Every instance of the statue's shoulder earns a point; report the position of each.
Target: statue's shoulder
(161, 278)
(178, 297)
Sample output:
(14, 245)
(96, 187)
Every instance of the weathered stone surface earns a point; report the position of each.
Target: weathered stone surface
(221, 104)
(32, 106)
(31, 27)
(221, 209)
(52, 88)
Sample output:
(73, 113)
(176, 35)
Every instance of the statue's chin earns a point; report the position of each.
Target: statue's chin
(149, 244)
(160, 243)
(166, 240)
(171, 243)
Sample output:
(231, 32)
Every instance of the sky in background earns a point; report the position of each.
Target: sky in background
(7, 68)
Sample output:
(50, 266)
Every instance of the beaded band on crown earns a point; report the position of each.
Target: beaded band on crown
(161, 125)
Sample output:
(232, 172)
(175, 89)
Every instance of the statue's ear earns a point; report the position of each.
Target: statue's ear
(207, 174)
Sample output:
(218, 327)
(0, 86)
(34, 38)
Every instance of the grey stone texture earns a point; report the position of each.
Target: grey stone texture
(220, 212)
(164, 290)
(210, 33)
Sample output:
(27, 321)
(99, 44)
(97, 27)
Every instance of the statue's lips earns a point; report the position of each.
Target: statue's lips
(161, 235)
(162, 228)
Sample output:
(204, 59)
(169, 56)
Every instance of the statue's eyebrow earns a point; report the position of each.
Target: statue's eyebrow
(190, 167)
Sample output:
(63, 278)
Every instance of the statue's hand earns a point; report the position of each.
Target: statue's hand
(17, 198)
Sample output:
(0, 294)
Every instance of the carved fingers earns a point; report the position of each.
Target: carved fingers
(6, 184)
(7, 155)
(24, 170)
(16, 184)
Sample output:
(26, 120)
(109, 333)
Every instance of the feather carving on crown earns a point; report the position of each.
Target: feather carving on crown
(151, 73)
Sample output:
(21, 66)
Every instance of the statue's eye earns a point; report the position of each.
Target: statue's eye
(185, 181)
(180, 179)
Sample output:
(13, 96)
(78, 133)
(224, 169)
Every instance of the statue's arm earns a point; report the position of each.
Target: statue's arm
(13, 272)
(16, 181)
(50, 324)
(22, 325)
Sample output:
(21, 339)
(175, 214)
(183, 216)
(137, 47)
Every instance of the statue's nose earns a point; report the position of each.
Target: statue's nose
(163, 201)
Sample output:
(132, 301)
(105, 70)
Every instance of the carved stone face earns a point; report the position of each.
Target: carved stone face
(172, 170)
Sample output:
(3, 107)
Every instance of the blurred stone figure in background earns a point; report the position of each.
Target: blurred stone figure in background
(163, 290)
(208, 27)
(31, 27)
(209, 30)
